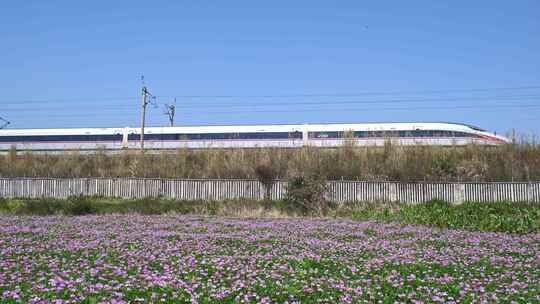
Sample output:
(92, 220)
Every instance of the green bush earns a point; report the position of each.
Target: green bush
(146, 206)
(380, 211)
(41, 206)
(80, 205)
(12, 206)
(3, 204)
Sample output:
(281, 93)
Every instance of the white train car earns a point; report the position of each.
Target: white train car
(285, 136)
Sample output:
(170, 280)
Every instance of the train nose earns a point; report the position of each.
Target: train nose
(502, 139)
(495, 138)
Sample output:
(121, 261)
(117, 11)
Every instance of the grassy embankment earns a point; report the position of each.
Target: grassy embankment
(499, 216)
(520, 162)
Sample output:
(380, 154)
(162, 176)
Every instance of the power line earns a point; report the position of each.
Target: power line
(408, 100)
(309, 103)
(491, 108)
(419, 92)
(506, 107)
(67, 100)
(362, 93)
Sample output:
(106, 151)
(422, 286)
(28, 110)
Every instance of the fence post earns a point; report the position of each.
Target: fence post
(393, 192)
(459, 193)
(529, 192)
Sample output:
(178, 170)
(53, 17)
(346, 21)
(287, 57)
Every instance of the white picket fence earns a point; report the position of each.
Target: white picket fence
(219, 189)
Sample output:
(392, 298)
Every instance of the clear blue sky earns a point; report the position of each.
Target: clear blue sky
(78, 63)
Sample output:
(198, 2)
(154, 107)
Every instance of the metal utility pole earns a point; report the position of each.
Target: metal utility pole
(144, 94)
(170, 110)
(4, 124)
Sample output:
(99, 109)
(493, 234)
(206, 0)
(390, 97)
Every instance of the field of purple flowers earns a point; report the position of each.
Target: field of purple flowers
(186, 259)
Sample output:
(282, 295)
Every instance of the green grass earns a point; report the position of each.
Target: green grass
(100, 205)
(474, 216)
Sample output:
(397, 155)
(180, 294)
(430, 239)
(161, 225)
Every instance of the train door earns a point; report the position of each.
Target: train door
(125, 135)
(305, 135)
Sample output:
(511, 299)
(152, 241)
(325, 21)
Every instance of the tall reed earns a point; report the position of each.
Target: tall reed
(513, 162)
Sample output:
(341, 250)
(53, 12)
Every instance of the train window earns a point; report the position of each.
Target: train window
(270, 135)
(274, 135)
(446, 134)
(64, 138)
(295, 134)
(421, 133)
(219, 136)
(390, 133)
(325, 135)
(427, 133)
(464, 134)
(359, 134)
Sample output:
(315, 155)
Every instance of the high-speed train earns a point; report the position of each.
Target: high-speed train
(248, 136)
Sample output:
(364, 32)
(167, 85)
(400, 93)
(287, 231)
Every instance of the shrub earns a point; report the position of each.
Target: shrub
(308, 194)
(266, 174)
(80, 205)
(145, 206)
(40, 206)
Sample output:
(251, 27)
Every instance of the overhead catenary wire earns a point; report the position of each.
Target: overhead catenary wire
(386, 93)
(73, 111)
(493, 108)
(308, 103)
(363, 93)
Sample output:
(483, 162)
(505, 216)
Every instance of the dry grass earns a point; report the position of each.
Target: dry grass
(520, 162)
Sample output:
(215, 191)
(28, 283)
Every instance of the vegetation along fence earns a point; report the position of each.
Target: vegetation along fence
(219, 189)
